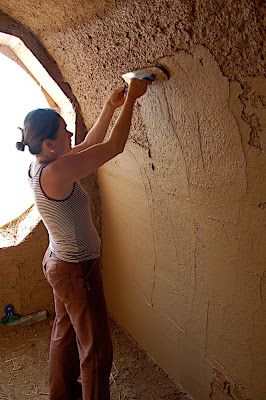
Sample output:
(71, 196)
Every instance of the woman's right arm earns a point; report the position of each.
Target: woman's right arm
(72, 167)
(99, 130)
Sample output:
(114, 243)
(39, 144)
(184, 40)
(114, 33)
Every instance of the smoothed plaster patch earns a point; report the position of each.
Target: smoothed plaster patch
(198, 206)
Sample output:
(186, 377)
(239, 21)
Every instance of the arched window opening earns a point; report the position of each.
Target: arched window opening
(19, 94)
(24, 86)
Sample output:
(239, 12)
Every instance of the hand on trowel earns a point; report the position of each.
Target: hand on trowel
(151, 74)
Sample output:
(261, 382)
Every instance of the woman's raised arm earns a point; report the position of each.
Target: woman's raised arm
(98, 132)
(76, 165)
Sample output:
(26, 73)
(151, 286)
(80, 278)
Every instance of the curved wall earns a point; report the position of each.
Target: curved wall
(183, 208)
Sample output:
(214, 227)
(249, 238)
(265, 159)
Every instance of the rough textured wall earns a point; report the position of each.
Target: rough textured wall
(184, 205)
(22, 283)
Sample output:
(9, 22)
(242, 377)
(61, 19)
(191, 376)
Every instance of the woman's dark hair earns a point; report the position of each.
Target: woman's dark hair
(39, 124)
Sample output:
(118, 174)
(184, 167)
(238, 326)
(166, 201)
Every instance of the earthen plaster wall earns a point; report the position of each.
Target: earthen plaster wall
(183, 208)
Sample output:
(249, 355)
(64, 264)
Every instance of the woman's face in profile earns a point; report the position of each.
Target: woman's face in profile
(62, 142)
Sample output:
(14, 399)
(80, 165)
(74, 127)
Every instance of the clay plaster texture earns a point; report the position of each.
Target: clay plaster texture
(183, 208)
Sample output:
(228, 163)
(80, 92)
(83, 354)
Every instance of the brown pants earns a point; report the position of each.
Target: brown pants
(80, 341)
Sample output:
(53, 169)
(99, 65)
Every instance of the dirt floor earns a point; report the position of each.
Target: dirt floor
(24, 361)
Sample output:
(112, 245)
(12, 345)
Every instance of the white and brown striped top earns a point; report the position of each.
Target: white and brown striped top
(72, 234)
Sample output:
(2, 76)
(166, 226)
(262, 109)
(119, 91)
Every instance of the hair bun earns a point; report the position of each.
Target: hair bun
(20, 146)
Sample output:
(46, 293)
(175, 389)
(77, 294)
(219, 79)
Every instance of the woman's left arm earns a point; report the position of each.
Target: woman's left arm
(98, 131)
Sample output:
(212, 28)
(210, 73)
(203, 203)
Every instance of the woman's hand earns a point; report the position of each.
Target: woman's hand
(118, 97)
(137, 87)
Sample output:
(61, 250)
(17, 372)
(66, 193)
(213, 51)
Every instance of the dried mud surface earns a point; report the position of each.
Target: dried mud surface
(24, 361)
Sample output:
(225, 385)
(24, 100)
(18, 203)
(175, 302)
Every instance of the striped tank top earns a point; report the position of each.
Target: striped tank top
(72, 234)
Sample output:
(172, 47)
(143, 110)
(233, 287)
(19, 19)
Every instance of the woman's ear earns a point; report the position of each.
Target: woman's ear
(48, 146)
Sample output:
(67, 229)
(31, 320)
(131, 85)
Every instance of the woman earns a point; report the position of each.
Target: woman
(80, 340)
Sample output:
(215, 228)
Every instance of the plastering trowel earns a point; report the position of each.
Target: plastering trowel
(152, 74)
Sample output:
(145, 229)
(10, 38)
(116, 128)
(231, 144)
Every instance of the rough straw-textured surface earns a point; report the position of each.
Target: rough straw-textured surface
(183, 208)
(24, 374)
